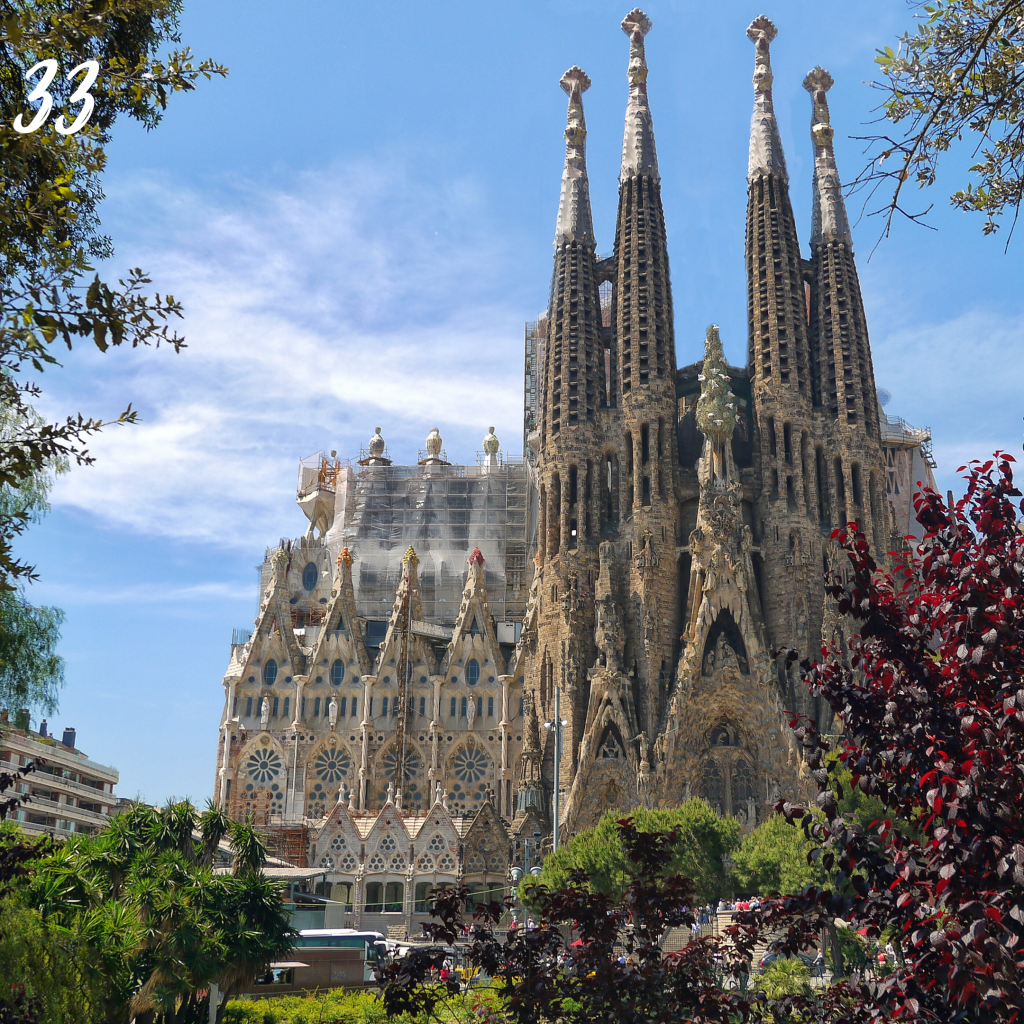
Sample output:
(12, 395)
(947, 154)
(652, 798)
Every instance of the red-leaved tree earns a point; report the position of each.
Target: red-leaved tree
(931, 702)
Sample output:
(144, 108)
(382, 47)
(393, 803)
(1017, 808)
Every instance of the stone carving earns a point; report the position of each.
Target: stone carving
(765, 145)
(332, 713)
(265, 712)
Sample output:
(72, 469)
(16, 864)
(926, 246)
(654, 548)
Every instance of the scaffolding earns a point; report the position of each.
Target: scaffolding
(442, 511)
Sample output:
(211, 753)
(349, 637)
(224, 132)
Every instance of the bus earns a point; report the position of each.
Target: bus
(324, 958)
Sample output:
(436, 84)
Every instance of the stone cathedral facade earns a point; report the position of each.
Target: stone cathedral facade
(666, 530)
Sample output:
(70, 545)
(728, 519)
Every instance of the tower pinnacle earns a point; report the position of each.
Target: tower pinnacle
(638, 153)
(828, 218)
(575, 223)
(765, 145)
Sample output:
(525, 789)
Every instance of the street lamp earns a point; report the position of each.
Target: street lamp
(557, 725)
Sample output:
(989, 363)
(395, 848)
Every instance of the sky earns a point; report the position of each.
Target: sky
(358, 221)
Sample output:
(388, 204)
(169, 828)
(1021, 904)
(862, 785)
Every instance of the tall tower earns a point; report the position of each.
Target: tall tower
(646, 359)
(851, 481)
(783, 374)
(570, 452)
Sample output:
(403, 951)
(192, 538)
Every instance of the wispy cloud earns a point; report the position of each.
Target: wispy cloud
(144, 593)
(351, 300)
(963, 377)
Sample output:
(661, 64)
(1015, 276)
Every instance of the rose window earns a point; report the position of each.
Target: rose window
(338, 842)
(264, 765)
(376, 863)
(348, 863)
(397, 862)
(388, 843)
(332, 765)
(446, 863)
(475, 863)
(496, 863)
(316, 800)
(425, 862)
(471, 764)
(327, 861)
(437, 843)
(411, 793)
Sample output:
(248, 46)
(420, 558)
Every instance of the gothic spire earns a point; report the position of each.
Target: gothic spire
(828, 217)
(766, 155)
(639, 155)
(575, 223)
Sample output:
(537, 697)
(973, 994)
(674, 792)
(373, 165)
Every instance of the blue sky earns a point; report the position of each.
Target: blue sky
(359, 221)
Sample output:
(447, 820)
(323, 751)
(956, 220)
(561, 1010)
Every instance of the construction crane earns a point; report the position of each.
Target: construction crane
(404, 676)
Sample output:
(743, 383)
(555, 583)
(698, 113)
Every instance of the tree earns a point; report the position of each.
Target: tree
(703, 839)
(31, 671)
(150, 922)
(567, 969)
(49, 229)
(932, 704)
(960, 75)
(773, 859)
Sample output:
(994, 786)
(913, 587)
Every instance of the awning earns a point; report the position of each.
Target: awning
(280, 965)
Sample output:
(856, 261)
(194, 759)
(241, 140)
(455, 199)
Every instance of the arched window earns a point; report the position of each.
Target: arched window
(310, 575)
(337, 672)
(473, 672)
(394, 892)
(269, 672)
(374, 897)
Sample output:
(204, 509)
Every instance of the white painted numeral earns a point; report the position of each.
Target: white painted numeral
(80, 95)
(40, 92)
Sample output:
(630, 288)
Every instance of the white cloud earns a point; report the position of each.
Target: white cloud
(142, 593)
(351, 301)
(964, 378)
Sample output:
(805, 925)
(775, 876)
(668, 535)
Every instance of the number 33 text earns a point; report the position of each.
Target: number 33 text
(81, 95)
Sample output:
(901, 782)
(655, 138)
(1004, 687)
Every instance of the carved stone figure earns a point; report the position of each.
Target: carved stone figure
(332, 713)
(265, 712)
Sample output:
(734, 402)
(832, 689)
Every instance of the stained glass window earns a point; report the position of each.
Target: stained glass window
(490, 707)
(337, 672)
(332, 764)
(453, 707)
(264, 765)
(446, 863)
(471, 764)
(310, 575)
(343, 712)
(437, 843)
(412, 796)
(384, 705)
(269, 672)
(316, 708)
(388, 844)
(248, 707)
(473, 672)
(355, 701)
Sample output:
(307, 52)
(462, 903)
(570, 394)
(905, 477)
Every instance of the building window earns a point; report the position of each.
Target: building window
(453, 708)
(423, 902)
(343, 712)
(370, 707)
(316, 708)
(303, 711)
(473, 672)
(490, 707)
(480, 707)
(521, 700)
(234, 707)
(269, 672)
(337, 672)
(310, 575)
(248, 707)
(423, 706)
(463, 707)
(385, 704)
(287, 701)
(394, 893)
(374, 898)
(274, 712)
(355, 701)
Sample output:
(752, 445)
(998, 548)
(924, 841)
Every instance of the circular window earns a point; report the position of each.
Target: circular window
(337, 672)
(473, 672)
(263, 765)
(269, 672)
(471, 764)
(332, 764)
(310, 575)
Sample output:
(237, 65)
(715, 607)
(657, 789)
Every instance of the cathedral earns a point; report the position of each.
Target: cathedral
(473, 651)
